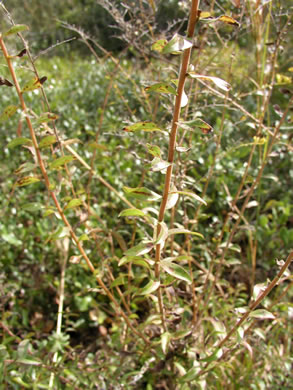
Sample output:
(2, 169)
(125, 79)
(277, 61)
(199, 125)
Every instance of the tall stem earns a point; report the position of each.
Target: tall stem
(172, 141)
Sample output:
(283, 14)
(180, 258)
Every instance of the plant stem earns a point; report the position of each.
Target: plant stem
(172, 142)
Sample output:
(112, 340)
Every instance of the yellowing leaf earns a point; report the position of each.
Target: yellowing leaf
(144, 126)
(34, 84)
(282, 79)
(142, 193)
(159, 45)
(154, 150)
(25, 181)
(204, 15)
(46, 117)
(8, 112)
(47, 141)
(161, 88)
(73, 203)
(132, 213)
(228, 20)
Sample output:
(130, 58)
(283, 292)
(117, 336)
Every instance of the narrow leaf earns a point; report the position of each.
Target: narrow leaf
(32, 85)
(47, 141)
(5, 82)
(197, 123)
(25, 181)
(59, 162)
(165, 341)
(192, 195)
(25, 167)
(154, 150)
(19, 141)
(228, 20)
(161, 238)
(142, 193)
(173, 197)
(16, 29)
(177, 45)
(158, 165)
(73, 203)
(222, 84)
(132, 213)
(183, 231)
(177, 271)
(159, 45)
(161, 88)
(143, 126)
(8, 112)
(190, 375)
(140, 249)
(262, 314)
(137, 260)
(46, 117)
(151, 287)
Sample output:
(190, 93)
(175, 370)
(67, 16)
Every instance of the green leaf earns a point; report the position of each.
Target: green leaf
(135, 260)
(144, 126)
(19, 141)
(27, 180)
(262, 314)
(216, 355)
(159, 45)
(151, 287)
(176, 45)
(29, 362)
(46, 117)
(161, 88)
(73, 203)
(16, 29)
(183, 231)
(59, 162)
(190, 375)
(198, 123)
(222, 84)
(159, 165)
(177, 271)
(118, 281)
(132, 213)
(142, 193)
(95, 145)
(32, 85)
(8, 112)
(47, 141)
(84, 237)
(162, 235)
(32, 206)
(173, 197)
(140, 249)
(11, 239)
(181, 334)
(165, 341)
(192, 195)
(154, 150)
(25, 167)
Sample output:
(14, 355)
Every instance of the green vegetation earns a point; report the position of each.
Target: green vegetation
(146, 209)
